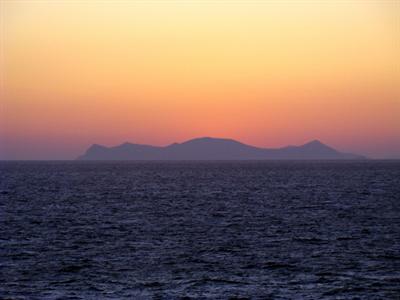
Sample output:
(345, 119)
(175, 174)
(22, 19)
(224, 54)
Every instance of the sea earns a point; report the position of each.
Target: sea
(200, 230)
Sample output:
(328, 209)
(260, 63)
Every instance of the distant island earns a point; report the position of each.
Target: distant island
(208, 148)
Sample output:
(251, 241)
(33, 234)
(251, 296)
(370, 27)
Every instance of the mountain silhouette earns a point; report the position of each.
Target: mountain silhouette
(208, 148)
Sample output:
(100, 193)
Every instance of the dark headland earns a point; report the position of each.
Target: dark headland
(214, 149)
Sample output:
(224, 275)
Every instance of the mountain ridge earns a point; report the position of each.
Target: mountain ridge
(210, 148)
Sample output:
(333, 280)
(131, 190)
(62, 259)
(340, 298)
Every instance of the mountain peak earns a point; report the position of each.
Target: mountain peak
(203, 139)
(314, 142)
(208, 139)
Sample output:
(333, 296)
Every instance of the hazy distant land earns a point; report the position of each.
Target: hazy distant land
(214, 149)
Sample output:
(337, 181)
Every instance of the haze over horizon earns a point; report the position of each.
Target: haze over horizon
(268, 74)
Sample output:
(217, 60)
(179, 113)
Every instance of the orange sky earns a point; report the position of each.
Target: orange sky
(268, 73)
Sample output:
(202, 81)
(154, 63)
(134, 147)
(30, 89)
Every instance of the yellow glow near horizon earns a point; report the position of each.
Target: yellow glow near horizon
(267, 73)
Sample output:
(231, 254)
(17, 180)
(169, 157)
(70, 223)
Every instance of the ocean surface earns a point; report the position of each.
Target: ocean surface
(200, 230)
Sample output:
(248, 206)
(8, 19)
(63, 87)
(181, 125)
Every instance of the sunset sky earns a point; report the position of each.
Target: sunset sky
(267, 73)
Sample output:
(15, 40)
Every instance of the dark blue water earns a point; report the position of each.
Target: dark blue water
(202, 230)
